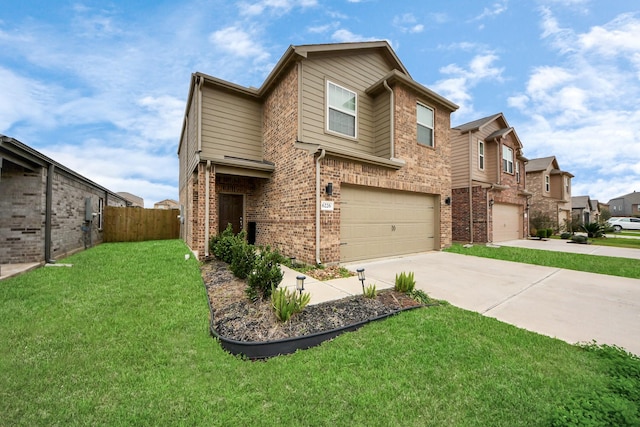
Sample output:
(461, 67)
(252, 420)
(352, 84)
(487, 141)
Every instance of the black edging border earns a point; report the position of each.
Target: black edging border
(255, 350)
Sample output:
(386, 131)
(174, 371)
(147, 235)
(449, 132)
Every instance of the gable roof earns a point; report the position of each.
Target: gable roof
(478, 124)
(633, 197)
(580, 202)
(25, 156)
(503, 131)
(542, 163)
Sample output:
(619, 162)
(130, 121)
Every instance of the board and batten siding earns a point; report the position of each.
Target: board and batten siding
(231, 125)
(460, 159)
(355, 72)
(382, 123)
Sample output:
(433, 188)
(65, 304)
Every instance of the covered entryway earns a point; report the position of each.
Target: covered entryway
(230, 211)
(506, 222)
(377, 223)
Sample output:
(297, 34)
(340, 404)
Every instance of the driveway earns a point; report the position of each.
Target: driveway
(570, 305)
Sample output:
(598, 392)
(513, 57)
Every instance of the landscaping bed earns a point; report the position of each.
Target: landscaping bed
(235, 317)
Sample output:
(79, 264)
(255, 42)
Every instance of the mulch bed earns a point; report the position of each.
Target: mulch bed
(238, 318)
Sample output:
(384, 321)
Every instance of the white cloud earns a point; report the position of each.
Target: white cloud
(462, 80)
(238, 42)
(407, 23)
(344, 36)
(274, 6)
(496, 9)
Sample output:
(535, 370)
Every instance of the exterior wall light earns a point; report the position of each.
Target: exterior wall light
(329, 189)
(300, 283)
(447, 201)
(491, 202)
(361, 277)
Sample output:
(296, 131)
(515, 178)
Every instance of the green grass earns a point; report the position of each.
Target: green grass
(121, 338)
(618, 242)
(613, 266)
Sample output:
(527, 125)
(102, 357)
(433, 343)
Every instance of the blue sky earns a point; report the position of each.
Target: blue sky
(101, 86)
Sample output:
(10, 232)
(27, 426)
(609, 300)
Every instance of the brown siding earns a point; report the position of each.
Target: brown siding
(231, 125)
(354, 72)
(382, 123)
(460, 159)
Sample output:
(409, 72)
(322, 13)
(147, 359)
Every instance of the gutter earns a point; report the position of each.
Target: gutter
(471, 188)
(318, 159)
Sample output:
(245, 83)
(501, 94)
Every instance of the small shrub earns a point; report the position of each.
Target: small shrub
(579, 239)
(243, 259)
(542, 233)
(549, 232)
(222, 244)
(266, 274)
(565, 236)
(420, 296)
(405, 282)
(287, 303)
(593, 229)
(370, 291)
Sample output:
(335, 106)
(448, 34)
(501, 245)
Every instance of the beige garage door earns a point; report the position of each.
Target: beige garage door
(376, 223)
(506, 222)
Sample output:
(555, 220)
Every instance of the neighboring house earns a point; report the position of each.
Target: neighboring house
(167, 204)
(339, 156)
(489, 195)
(551, 188)
(627, 205)
(47, 211)
(595, 210)
(581, 208)
(132, 200)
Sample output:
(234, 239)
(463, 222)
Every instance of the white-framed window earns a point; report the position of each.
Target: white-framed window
(547, 183)
(100, 212)
(481, 155)
(566, 184)
(507, 159)
(518, 172)
(342, 108)
(425, 125)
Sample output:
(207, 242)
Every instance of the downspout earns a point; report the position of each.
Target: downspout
(48, 214)
(392, 147)
(490, 208)
(320, 157)
(471, 188)
(207, 202)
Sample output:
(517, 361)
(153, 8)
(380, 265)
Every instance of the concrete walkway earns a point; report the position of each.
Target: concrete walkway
(570, 305)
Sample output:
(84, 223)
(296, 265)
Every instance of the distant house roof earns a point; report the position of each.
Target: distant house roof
(478, 124)
(133, 199)
(166, 203)
(580, 202)
(503, 131)
(542, 163)
(633, 197)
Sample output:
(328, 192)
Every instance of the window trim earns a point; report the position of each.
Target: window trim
(506, 162)
(432, 128)
(481, 154)
(330, 107)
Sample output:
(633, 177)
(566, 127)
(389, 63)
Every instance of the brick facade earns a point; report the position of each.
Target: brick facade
(23, 207)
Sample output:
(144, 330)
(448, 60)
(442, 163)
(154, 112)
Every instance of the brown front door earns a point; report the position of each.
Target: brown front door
(230, 207)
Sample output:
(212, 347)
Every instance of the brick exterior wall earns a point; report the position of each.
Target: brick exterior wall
(23, 207)
(542, 204)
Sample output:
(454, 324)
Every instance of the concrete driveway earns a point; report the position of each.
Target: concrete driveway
(570, 305)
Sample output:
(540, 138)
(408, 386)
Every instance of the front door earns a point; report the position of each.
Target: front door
(230, 211)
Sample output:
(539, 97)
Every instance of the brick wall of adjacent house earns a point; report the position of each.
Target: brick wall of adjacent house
(22, 221)
(23, 203)
(544, 205)
(481, 215)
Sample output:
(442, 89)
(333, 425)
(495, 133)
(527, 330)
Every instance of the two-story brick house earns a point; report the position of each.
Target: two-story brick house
(551, 188)
(489, 196)
(339, 156)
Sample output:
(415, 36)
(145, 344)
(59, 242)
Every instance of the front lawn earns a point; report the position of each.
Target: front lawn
(121, 338)
(613, 266)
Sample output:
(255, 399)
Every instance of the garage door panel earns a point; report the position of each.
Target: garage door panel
(377, 223)
(506, 222)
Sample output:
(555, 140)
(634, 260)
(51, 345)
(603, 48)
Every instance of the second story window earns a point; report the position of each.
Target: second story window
(547, 183)
(566, 184)
(481, 155)
(518, 172)
(507, 159)
(425, 125)
(342, 110)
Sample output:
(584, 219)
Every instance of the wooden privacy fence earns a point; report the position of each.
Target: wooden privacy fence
(137, 224)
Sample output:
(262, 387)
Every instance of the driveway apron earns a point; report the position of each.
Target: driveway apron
(569, 305)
